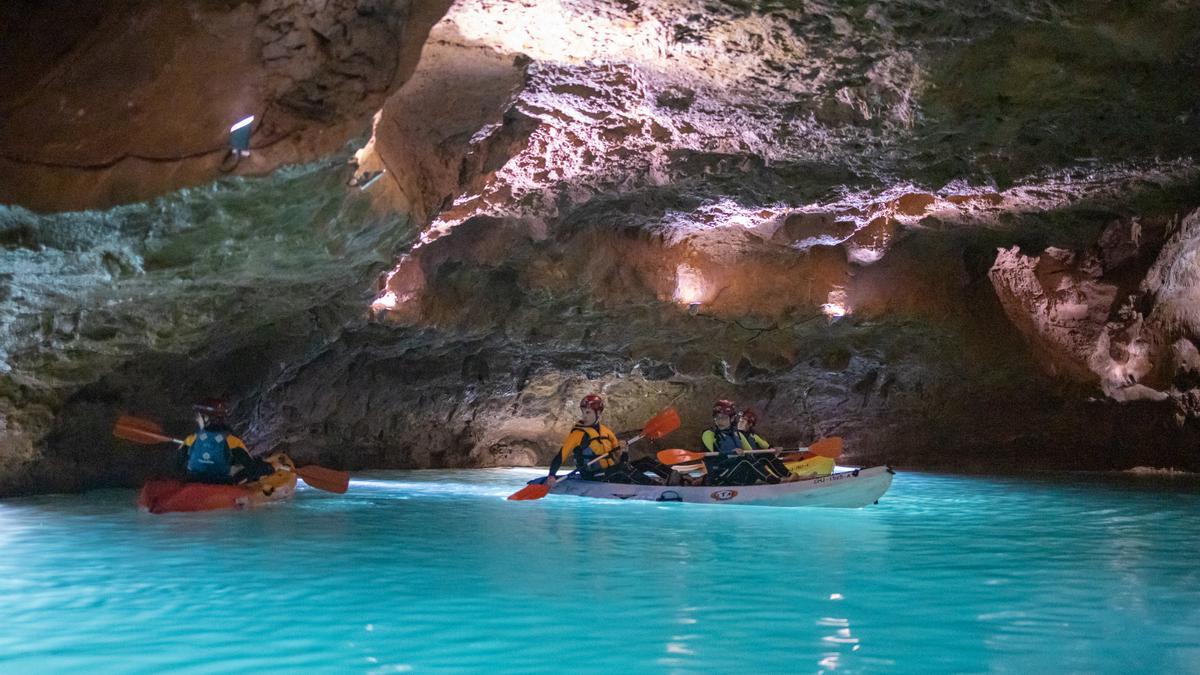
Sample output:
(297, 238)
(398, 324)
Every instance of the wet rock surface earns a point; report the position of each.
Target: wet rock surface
(960, 237)
(119, 102)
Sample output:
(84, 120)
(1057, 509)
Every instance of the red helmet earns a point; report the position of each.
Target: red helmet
(592, 402)
(212, 407)
(750, 416)
(724, 407)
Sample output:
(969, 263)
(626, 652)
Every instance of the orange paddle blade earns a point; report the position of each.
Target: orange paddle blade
(140, 423)
(140, 430)
(329, 480)
(533, 491)
(677, 456)
(827, 447)
(661, 424)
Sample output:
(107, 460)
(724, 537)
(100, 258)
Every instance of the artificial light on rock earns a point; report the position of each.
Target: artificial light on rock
(833, 310)
(835, 306)
(689, 286)
(385, 301)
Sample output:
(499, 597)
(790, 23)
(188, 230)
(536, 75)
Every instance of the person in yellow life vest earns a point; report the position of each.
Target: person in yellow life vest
(769, 463)
(214, 455)
(730, 467)
(594, 447)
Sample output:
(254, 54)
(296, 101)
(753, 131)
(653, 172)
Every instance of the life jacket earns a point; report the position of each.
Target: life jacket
(599, 442)
(725, 441)
(209, 453)
(753, 440)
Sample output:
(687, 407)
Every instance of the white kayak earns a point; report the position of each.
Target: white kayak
(847, 488)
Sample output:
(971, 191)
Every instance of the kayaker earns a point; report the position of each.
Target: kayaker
(590, 440)
(213, 454)
(731, 467)
(767, 462)
(722, 437)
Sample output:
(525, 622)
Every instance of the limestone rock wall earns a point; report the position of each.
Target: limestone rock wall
(1114, 315)
(121, 103)
(146, 307)
(960, 236)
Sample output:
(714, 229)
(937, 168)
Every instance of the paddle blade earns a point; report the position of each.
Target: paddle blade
(677, 456)
(140, 430)
(532, 491)
(329, 480)
(662, 424)
(139, 423)
(827, 447)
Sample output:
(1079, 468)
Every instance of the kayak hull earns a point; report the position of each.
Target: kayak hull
(169, 496)
(852, 488)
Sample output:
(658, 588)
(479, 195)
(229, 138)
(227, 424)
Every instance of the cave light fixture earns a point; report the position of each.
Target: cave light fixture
(239, 136)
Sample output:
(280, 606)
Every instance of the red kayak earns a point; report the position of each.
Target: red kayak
(165, 496)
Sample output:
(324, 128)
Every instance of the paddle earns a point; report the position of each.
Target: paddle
(826, 447)
(329, 480)
(148, 432)
(660, 425)
(141, 431)
(534, 490)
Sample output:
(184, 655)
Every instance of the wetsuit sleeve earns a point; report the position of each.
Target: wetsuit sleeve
(239, 456)
(568, 447)
(248, 468)
(709, 439)
(185, 449)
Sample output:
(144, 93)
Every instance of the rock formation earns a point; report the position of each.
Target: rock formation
(1121, 315)
(962, 238)
(116, 103)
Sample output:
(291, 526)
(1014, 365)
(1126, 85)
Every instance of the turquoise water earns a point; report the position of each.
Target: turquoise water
(434, 570)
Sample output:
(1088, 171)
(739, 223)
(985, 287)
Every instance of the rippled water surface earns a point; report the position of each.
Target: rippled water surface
(434, 570)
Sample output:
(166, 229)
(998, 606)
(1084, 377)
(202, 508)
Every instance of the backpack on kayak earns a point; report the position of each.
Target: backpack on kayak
(209, 455)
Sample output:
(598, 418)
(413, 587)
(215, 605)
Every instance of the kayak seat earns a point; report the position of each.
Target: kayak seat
(693, 471)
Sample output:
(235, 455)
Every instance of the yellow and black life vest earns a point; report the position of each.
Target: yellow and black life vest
(587, 443)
